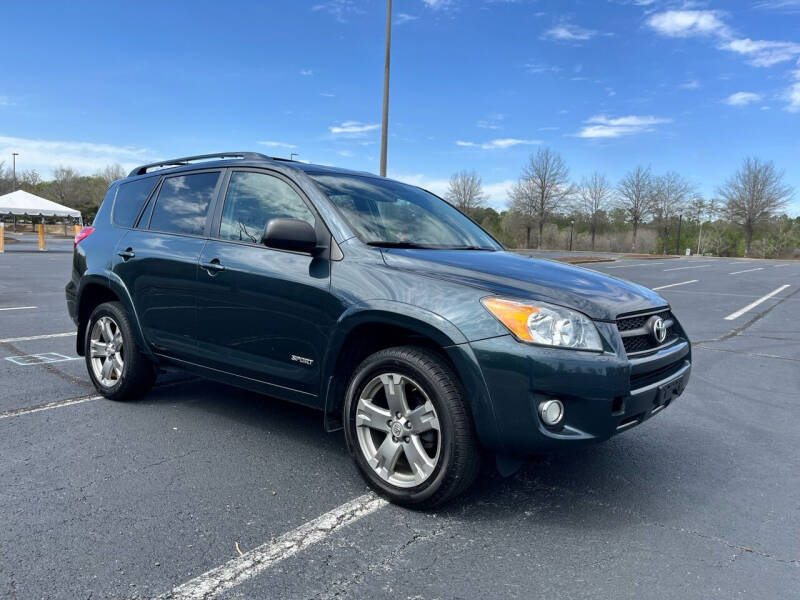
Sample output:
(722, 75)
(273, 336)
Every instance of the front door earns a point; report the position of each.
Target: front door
(264, 314)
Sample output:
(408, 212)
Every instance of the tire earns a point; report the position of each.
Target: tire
(431, 398)
(130, 374)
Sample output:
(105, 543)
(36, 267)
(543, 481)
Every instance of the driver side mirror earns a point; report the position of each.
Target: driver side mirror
(290, 234)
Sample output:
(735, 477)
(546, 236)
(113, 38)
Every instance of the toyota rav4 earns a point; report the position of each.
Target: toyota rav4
(374, 301)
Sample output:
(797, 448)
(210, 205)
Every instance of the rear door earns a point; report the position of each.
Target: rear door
(263, 313)
(157, 260)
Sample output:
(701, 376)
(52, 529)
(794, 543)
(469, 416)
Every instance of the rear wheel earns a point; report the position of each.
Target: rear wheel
(409, 429)
(116, 367)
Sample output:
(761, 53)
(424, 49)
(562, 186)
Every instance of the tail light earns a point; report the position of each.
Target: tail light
(82, 235)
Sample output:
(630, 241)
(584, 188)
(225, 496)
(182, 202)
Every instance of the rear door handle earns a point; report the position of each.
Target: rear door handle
(127, 254)
(212, 267)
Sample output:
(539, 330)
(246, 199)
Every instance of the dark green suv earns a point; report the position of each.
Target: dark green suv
(374, 301)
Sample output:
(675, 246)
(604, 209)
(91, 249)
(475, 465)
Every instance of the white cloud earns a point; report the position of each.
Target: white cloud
(7, 101)
(785, 5)
(437, 4)
(85, 157)
(491, 122)
(339, 9)
(536, 67)
(353, 128)
(763, 53)
(403, 18)
(327, 95)
(306, 72)
(497, 193)
(601, 126)
(497, 144)
(742, 98)
(567, 32)
(793, 97)
(272, 144)
(690, 85)
(685, 23)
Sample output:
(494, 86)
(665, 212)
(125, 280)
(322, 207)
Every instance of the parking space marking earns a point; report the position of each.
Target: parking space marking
(747, 271)
(45, 336)
(783, 265)
(238, 570)
(44, 358)
(692, 267)
(663, 287)
(636, 265)
(18, 307)
(57, 404)
(752, 305)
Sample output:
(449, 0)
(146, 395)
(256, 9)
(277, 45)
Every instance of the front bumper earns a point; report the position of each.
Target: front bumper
(603, 394)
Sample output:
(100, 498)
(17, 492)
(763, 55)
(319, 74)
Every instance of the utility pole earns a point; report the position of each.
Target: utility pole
(14, 156)
(385, 122)
(678, 241)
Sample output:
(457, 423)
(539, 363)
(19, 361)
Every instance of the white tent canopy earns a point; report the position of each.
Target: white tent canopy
(24, 203)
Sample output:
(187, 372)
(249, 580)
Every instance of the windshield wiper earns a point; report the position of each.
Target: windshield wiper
(484, 248)
(383, 244)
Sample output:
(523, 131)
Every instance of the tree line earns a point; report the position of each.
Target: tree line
(67, 187)
(744, 217)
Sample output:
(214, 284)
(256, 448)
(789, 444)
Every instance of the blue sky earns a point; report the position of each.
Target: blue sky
(687, 86)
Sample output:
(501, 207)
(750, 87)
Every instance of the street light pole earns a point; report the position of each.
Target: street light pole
(14, 156)
(571, 229)
(385, 121)
(678, 241)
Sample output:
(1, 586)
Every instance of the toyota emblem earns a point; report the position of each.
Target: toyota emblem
(658, 329)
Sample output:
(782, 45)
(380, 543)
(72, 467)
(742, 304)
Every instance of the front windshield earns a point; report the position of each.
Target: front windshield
(387, 213)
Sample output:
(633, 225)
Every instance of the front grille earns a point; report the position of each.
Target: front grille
(641, 380)
(642, 342)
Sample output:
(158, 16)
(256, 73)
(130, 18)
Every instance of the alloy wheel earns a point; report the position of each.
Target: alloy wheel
(398, 430)
(106, 351)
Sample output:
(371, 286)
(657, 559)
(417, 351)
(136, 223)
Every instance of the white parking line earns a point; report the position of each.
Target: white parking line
(28, 338)
(57, 404)
(637, 265)
(752, 305)
(783, 265)
(747, 271)
(663, 287)
(238, 570)
(18, 307)
(681, 268)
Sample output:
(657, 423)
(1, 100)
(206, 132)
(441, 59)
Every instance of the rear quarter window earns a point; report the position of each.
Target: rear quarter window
(130, 198)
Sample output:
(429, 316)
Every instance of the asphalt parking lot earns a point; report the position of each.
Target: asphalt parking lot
(134, 500)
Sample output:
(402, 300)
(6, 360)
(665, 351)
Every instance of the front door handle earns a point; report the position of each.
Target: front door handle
(126, 254)
(212, 267)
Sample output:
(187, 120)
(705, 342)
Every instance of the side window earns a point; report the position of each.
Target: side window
(130, 198)
(255, 198)
(183, 202)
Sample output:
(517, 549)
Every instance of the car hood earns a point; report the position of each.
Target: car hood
(599, 296)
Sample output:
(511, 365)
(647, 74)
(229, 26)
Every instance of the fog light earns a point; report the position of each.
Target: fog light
(551, 412)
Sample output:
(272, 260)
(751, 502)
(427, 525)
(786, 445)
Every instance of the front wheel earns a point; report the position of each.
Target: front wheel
(409, 428)
(116, 367)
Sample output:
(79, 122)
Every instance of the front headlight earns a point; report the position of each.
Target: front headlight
(546, 324)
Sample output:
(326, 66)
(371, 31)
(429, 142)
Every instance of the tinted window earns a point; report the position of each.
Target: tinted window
(255, 198)
(130, 198)
(183, 202)
(382, 211)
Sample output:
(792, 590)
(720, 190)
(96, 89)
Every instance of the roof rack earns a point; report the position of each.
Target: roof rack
(177, 162)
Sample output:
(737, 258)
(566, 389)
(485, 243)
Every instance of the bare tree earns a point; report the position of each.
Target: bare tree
(753, 194)
(671, 195)
(541, 191)
(64, 185)
(594, 195)
(111, 173)
(465, 191)
(636, 197)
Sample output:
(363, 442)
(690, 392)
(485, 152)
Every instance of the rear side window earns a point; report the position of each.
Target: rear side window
(183, 202)
(130, 198)
(255, 198)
